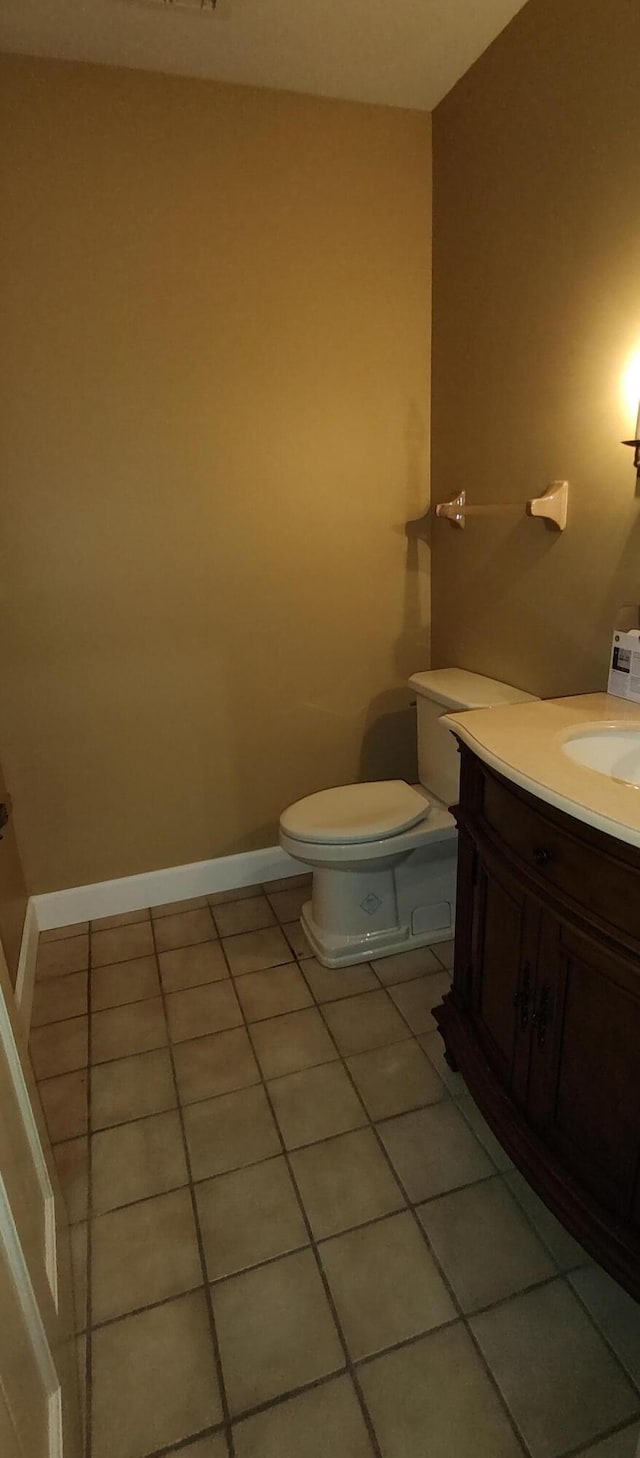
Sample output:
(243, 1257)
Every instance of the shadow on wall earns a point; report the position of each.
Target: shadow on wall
(389, 739)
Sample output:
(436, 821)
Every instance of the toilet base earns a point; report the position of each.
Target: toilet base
(358, 916)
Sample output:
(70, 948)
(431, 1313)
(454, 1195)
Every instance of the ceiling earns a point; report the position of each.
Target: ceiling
(393, 52)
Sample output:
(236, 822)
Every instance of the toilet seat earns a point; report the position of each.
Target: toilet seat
(354, 814)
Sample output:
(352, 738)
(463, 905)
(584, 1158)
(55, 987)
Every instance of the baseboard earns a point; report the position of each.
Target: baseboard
(155, 888)
(26, 974)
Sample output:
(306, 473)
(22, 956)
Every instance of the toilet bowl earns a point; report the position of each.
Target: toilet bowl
(384, 854)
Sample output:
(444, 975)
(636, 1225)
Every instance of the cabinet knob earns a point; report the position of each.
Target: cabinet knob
(541, 855)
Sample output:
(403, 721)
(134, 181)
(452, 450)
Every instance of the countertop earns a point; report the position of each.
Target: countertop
(523, 742)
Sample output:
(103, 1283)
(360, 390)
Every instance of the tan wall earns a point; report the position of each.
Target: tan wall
(536, 310)
(213, 401)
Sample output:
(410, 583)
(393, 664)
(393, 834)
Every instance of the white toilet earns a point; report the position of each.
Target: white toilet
(384, 854)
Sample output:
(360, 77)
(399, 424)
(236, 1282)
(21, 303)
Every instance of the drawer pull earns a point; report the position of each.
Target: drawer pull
(542, 1016)
(541, 855)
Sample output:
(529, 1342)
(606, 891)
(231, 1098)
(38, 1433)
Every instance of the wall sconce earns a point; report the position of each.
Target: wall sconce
(636, 444)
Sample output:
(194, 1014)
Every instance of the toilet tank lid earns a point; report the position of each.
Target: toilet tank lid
(457, 688)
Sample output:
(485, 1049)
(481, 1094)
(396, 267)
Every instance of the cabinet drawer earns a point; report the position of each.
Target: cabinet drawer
(605, 888)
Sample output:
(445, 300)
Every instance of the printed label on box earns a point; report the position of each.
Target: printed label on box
(624, 669)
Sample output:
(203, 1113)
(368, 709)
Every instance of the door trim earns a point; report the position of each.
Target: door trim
(18, 1270)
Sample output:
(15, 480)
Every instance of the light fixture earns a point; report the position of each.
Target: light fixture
(630, 391)
(636, 444)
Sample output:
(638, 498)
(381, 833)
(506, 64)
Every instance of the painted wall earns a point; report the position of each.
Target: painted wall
(536, 312)
(214, 425)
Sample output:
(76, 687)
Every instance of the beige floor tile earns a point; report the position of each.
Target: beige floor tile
(394, 1079)
(131, 1088)
(190, 966)
(59, 1047)
(62, 933)
(297, 1040)
(434, 1150)
(249, 1216)
(444, 953)
(345, 1182)
(154, 1379)
(405, 966)
(121, 982)
(135, 1028)
(280, 1314)
(434, 1397)
(143, 1254)
(122, 918)
(469, 1108)
(174, 908)
(213, 1447)
(184, 929)
(615, 1313)
(367, 1021)
(566, 1252)
(434, 1048)
(228, 1132)
(484, 1244)
(414, 1000)
(288, 903)
(315, 1104)
(79, 1243)
(238, 893)
(561, 1383)
(253, 951)
(620, 1445)
(296, 939)
(57, 998)
(330, 984)
(323, 1421)
(217, 1064)
(72, 1163)
(145, 1157)
(70, 954)
(385, 1284)
(121, 943)
(251, 914)
(273, 991)
(207, 1009)
(64, 1102)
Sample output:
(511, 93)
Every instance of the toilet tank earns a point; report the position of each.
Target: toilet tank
(446, 691)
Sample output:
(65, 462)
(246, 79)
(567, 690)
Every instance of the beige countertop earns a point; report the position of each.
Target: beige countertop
(523, 742)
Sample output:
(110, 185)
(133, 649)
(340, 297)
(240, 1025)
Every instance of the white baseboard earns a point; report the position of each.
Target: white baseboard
(26, 975)
(155, 888)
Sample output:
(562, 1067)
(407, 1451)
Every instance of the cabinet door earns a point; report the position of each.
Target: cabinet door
(585, 1084)
(505, 938)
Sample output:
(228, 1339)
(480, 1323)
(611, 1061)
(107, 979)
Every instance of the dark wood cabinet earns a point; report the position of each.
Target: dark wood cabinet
(543, 1018)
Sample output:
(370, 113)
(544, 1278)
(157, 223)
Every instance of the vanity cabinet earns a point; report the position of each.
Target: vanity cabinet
(543, 1018)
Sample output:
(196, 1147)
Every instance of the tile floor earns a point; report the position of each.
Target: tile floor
(293, 1234)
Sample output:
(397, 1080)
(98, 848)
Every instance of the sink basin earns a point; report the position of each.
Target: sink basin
(612, 749)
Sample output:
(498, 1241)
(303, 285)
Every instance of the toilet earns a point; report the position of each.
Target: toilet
(383, 854)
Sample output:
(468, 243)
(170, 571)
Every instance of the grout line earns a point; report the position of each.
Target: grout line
(198, 1228)
(182, 1443)
(599, 1329)
(443, 1275)
(314, 1244)
(578, 1452)
(314, 1249)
